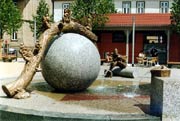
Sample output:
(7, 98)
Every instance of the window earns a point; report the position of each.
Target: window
(126, 6)
(65, 6)
(164, 7)
(14, 36)
(140, 6)
(118, 36)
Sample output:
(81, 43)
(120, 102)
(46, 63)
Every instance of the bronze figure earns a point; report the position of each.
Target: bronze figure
(117, 60)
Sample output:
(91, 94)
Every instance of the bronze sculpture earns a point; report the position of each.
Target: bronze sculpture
(17, 89)
(117, 60)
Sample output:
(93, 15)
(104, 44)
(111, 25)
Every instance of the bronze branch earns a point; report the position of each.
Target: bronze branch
(33, 58)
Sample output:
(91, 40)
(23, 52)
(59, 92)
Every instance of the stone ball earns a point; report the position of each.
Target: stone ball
(71, 63)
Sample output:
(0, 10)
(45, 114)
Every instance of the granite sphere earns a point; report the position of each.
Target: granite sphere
(71, 63)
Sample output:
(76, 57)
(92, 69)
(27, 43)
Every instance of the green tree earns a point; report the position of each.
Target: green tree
(175, 16)
(94, 10)
(10, 17)
(42, 10)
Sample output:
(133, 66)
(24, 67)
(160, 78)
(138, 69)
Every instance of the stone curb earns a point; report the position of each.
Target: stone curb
(18, 114)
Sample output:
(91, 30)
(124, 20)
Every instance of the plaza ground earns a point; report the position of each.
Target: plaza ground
(105, 99)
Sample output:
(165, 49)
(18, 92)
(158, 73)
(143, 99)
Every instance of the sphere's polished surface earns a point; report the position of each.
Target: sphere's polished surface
(71, 63)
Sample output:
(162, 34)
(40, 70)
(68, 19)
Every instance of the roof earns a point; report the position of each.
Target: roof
(141, 20)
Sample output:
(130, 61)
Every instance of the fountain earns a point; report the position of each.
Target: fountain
(101, 100)
(17, 89)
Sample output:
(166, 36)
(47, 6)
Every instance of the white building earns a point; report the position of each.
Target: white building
(122, 6)
(143, 6)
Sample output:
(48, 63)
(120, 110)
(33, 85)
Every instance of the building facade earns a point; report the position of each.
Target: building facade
(25, 35)
(152, 30)
(150, 17)
(149, 32)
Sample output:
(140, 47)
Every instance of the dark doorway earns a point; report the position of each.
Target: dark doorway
(156, 40)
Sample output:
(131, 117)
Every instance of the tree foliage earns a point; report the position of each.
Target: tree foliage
(175, 16)
(10, 17)
(95, 10)
(42, 10)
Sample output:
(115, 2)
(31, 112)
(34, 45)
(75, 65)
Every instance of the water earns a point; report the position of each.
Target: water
(101, 89)
(133, 92)
(127, 89)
